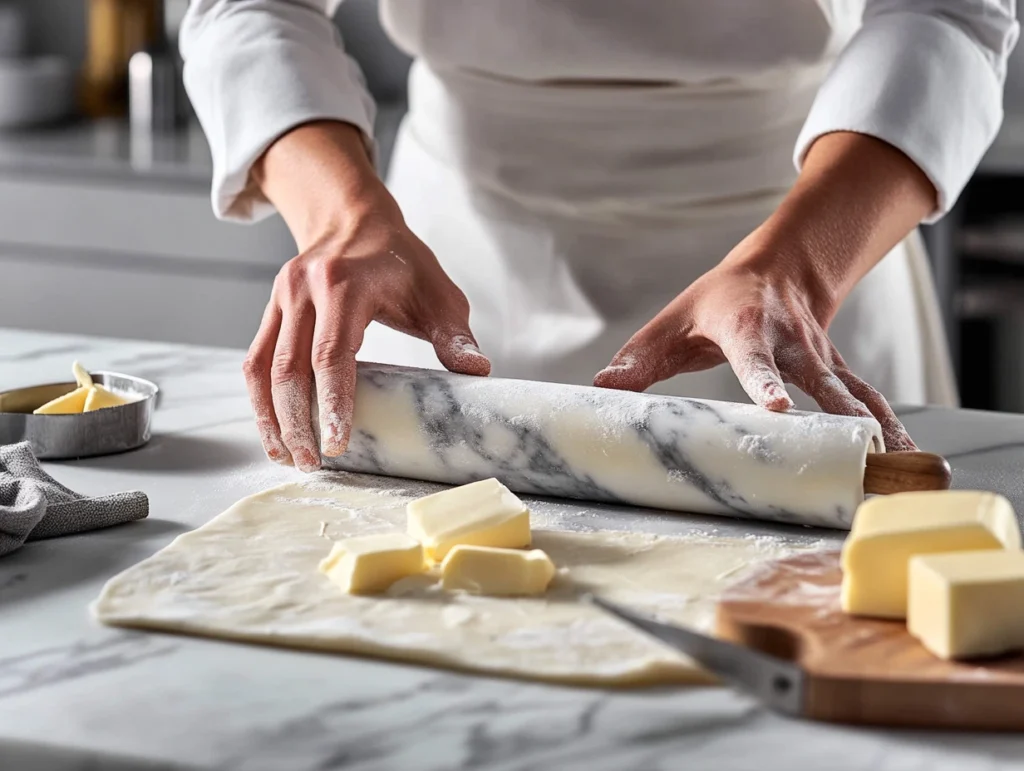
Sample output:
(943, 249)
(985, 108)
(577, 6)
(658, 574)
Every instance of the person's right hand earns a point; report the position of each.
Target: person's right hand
(358, 263)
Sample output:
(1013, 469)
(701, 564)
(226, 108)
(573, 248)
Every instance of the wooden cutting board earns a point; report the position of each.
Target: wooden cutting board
(863, 670)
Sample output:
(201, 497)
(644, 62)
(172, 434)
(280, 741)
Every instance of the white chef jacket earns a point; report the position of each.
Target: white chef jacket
(570, 162)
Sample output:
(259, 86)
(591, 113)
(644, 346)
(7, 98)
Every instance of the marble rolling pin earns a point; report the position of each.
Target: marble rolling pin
(638, 449)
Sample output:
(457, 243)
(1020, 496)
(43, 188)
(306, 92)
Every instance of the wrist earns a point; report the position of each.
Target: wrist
(320, 178)
(789, 262)
(855, 199)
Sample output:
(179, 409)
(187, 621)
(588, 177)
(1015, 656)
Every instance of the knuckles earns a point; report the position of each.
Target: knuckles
(297, 440)
(864, 389)
(452, 297)
(291, 284)
(753, 318)
(286, 369)
(254, 367)
(296, 278)
(326, 272)
(329, 352)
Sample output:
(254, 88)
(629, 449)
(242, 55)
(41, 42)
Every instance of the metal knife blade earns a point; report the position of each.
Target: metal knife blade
(777, 683)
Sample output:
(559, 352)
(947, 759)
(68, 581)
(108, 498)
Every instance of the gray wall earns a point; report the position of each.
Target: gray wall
(56, 26)
(1015, 76)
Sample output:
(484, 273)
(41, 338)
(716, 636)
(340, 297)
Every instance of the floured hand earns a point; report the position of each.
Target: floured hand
(766, 308)
(358, 263)
(765, 327)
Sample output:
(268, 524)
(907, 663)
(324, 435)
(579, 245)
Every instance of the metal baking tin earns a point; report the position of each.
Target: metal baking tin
(101, 432)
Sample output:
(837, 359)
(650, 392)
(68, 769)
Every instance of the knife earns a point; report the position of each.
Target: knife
(775, 682)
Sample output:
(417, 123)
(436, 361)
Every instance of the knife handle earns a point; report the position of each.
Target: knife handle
(899, 472)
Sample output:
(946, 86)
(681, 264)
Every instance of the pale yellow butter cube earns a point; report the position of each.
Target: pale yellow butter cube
(82, 376)
(483, 513)
(71, 403)
(967, 604)
(100, 398)
(369, 564)
(496, 572)
(889, 530)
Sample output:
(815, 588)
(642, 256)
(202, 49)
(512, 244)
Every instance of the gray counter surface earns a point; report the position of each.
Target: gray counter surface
(75, 695)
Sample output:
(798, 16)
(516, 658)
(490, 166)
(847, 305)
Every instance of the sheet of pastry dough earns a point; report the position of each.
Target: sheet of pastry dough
(251, 574)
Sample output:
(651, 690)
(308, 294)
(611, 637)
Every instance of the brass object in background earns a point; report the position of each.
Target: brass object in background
(117, 29)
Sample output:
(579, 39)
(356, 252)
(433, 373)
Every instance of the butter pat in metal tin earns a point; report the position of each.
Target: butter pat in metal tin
(102, 432)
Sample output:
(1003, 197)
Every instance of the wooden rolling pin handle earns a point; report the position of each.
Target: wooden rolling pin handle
(900, 472)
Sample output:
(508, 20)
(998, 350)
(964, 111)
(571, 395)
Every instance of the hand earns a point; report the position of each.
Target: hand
(362, 267)
(766, 308)
(750, 312)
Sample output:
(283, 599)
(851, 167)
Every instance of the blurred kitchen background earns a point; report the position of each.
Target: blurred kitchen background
(106, 226)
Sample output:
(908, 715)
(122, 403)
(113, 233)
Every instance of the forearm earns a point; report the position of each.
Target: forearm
(357, 263)
(320, 178)
(766, 307)
(856, 198)
(255, 71)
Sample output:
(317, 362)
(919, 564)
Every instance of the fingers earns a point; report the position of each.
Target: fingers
(843, 393)
(338, 335)
(755, 368)
(893, 432)
(323, 300)
(457, 350)
(292, 385)
(631, 368)
(812, 375)
(834, 387)
(658, 351)
(257, 367)
(838, 391)
(628, 371)
(453, 340)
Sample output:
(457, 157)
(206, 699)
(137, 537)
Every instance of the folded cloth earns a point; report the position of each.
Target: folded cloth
(34, 505)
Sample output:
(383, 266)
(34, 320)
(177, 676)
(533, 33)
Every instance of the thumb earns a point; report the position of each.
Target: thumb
(629, 370)
(653, 354)
(457, 350)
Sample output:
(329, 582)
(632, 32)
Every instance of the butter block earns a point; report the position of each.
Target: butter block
(496, 572)
(889, 530)
(371, 563)
(82, 376)
(967, 604)
(483, 513)
(100, 398)
(69, 404)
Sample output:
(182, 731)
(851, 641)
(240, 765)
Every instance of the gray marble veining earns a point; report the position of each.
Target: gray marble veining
(597, 444)
(75, 696)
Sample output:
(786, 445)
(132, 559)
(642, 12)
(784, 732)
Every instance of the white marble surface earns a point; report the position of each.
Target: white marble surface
(74, 695)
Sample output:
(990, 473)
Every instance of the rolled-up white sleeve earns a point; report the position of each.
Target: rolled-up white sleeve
(927, 77)
(254, 69)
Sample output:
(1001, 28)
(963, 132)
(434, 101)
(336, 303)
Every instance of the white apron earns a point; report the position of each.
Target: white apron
(571, 214)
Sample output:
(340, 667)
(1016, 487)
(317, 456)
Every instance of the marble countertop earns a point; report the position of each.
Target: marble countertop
(75, 695)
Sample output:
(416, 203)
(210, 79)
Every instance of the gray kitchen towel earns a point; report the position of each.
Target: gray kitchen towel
(34, 505)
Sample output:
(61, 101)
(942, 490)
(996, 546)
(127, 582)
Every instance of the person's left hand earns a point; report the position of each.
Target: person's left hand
(761, 313)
